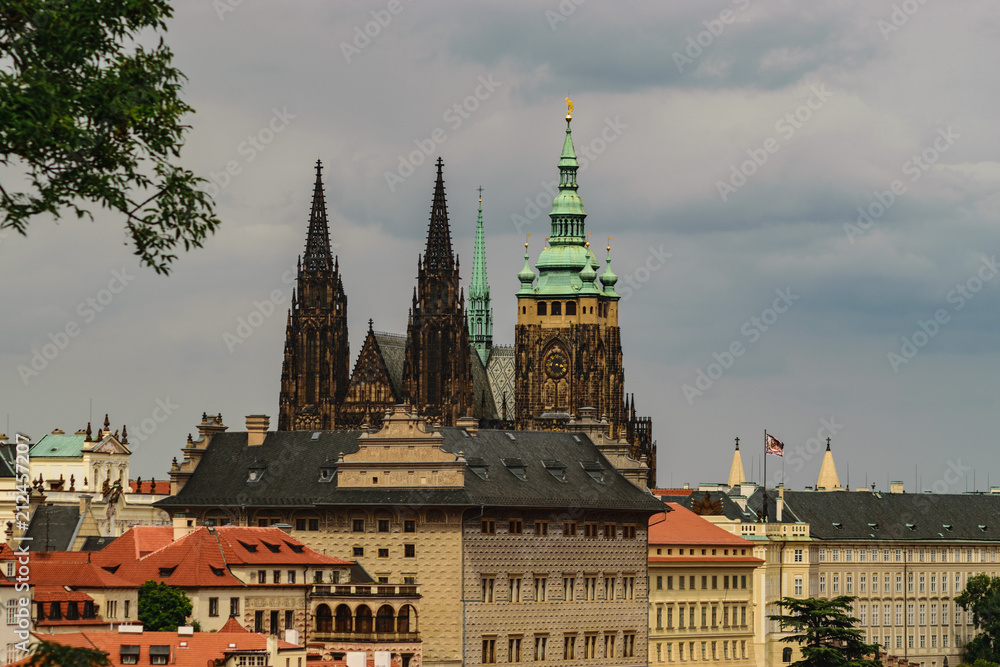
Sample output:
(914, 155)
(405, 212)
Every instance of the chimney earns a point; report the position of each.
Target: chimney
(84, 503)
(895, 487)
(470, 424)
(780, 505)
(257, 429)
(183, 524)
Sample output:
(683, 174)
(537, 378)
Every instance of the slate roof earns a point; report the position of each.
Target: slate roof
(8, 460)
(292, 462)
(96, 543)
(393, 349)
(481, 387)
(53, 527)
(862, 515)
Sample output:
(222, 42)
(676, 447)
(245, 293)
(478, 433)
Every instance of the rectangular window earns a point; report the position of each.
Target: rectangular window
(409, 526)
(933, 583)
(680, 580)
(822, 583)
(670, 583)
(848, 555)
(670, 617)
(569, 589)
(899, 583)
(822, 555)
(715, 618)
(515, 527)
(691, 618)
(659, 617)
(836, 555)
(933, 637)
(569, 647)
(659, 582)
(944, 614)
(540, 589)
(863, 617)
(861, 555)
(289, 619)
(300, 524)
(383, 525)
(489, 651)
(628, 588)
(909, 614)
(610, 531)
(590, 531)
(715, 582)
(933, 614)
(628, 532)
(680, 617)
(234, 606)
(862, 583)
(590, 588)
(899, 614)
(590, 647)
(743, 581)
(923, 641)
(704, 652)
(836, 583)
(489, 527)
(704, 616)
(487, 589)
(609, 588)
(874, 583)
(540, 647)
(628, 645)
(276, 576)
(923, 614)
(922, 583)
(541, 528)
(213, 608)
(569, 529)
(409, 551)
(261, 576)
(609, 645)
(798, 555)
(514, 649)
(704, 582)
(725, 582)
(743, 616)
(358, 525)
(849, 583)
(383, 553)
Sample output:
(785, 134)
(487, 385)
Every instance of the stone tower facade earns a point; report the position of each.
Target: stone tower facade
(315, 371)
(567, 341)
(437, 371)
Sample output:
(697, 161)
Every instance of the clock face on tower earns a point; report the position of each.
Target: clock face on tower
(556, 365)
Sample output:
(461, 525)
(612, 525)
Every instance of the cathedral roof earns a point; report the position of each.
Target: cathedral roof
(554, 469)
(393, 349)
(317, 256)
(438, 254)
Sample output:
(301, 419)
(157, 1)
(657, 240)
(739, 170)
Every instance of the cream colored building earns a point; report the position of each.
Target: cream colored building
(701, 605)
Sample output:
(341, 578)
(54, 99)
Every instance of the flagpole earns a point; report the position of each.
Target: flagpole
(764, 481)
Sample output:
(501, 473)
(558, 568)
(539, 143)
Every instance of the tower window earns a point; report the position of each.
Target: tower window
(571, 307)
(557, 307)
(524, 310)
(541, 308)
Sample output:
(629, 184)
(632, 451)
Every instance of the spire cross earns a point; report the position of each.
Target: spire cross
(737, 442)
(828, 442)
(480, 190)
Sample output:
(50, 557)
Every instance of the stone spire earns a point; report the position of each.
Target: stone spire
(828, 471)
(317, 255)
(438, 252)
(736, 474)
(480, 313)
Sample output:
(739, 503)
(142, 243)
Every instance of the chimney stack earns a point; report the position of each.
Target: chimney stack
(257, 426)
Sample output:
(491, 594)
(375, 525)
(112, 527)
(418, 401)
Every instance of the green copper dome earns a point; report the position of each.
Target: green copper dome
(608, 278)
(526, 275)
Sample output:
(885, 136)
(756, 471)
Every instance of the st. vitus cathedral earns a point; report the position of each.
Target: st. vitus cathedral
(564, 371)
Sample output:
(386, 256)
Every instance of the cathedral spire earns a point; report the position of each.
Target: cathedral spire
(438, 253)
(736, 474)
(828, 478)
(480, 313)
(317, 255)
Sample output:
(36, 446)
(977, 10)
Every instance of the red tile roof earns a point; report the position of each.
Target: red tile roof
(158, 487)
(75, 575)
(232, 625)
(682, 526)
(58, 594)
(202, 558)
(185, 651)
(673, 492)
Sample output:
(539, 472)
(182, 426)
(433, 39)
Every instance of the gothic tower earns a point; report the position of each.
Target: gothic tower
(567, 341)
(315, 370)
(480, 313)
(437, 371)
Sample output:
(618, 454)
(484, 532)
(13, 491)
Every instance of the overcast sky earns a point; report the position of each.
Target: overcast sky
(731, 146)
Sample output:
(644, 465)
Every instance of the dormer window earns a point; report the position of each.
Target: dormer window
(516, 466)
(595, 470)
(257, 471)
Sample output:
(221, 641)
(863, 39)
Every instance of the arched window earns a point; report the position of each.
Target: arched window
(403, 619)
(324, 619)
(363, 619)
(541, 308)
(384, 619)
(557, 307)
(786, 654)
(571, 307)
(344, 620)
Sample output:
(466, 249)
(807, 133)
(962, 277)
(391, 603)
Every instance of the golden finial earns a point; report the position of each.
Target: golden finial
(528, 236)
(588, 240)
(610, 238)
(569, 109)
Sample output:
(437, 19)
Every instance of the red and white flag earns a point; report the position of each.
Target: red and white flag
(773, 446)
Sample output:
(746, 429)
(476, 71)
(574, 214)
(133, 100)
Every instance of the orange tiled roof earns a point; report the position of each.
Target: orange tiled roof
(232, 625)
(75, 575)
(49, 593)
(202, 558)
(161, 487)
(673, 492)
(682, 526)
(185, 651)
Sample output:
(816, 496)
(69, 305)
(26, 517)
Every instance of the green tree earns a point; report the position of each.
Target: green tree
(162, 607)
(981, 598)
(89, 117)
(825, 629)
(49, 654)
